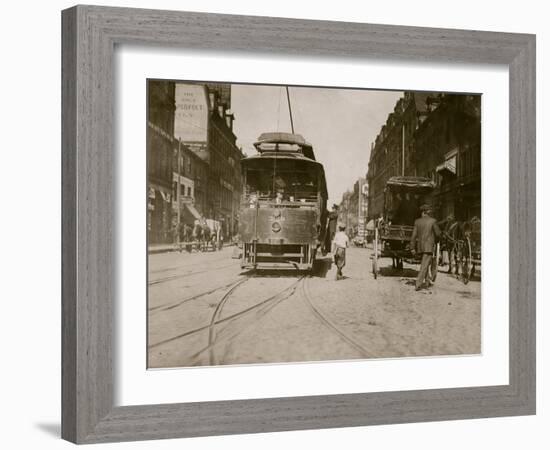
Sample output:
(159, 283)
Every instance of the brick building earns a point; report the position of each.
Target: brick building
(448, 150)
(191, 174)
(204, 123)
(392, 153)
(433, 135)
(353, 208)
(160, 131)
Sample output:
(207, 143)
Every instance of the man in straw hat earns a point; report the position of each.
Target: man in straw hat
(425, 235)
(339, 245)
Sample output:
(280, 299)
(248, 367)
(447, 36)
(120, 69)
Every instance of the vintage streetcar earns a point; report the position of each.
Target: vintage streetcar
(403, 197)
(283, 213)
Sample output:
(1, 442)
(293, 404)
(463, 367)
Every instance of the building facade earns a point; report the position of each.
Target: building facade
(433, 135)
(204, 124)
(160, 131)
(353, 209)
(225, 173)
(392, 152)
(448, 150)
(190, 177)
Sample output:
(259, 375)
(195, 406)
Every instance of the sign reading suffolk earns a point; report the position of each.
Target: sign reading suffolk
(191, 116)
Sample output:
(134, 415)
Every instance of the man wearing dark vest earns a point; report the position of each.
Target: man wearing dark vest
(424, 237)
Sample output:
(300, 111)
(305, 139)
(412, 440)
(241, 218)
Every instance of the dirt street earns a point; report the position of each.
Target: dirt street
(203, 310)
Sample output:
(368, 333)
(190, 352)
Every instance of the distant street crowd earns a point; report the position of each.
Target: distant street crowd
(200, 237)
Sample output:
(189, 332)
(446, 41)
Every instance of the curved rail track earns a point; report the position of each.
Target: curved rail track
(329, 324)
(233, 326)
(181, 301)
(262, 307)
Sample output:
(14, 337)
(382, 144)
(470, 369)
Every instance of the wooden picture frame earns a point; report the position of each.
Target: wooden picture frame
(90, 34)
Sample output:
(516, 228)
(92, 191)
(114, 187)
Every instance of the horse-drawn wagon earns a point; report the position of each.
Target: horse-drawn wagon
(393, 230)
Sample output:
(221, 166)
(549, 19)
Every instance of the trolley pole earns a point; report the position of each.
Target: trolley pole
(290, 110)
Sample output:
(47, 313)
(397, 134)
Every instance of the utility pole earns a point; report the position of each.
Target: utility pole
(178, 195)
(347, 214)
(359, 204)
(403, 150)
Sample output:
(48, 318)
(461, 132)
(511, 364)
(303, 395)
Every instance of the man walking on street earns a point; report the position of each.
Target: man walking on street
(425, 235)
(339, 245)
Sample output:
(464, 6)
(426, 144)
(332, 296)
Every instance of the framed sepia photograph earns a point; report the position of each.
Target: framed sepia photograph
(234, 211)
(268, 222)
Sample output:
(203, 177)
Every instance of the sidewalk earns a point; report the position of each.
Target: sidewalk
(163, 248)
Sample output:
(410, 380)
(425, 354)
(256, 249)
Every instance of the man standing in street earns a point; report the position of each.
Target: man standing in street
(424, 237)
(339, 245)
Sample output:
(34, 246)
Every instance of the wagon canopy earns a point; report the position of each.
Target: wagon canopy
(403, 197)
(410, 182)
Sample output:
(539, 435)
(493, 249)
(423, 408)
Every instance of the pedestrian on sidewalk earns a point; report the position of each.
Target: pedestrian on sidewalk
(339, 245)
(175, 237)
(197, 234)
(188, 238)
(206, 235)
(220, 239)
(425, 235)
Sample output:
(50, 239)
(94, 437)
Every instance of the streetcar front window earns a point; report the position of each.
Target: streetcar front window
(281, 184)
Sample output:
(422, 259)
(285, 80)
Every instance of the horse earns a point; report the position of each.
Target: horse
(456, 239)
(450, 235)
(207, 236)
(198, 235)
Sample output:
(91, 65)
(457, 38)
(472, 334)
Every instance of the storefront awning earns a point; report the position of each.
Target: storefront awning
(190, 214)
(165, 196)
(449, 164)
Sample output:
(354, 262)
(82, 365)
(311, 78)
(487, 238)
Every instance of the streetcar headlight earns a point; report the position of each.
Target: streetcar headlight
(276, 227)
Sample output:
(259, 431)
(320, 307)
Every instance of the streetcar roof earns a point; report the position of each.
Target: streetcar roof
(288, 142)
(280, 137)
(264, 156)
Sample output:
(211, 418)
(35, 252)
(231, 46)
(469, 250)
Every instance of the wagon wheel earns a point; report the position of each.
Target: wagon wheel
(375, 255)
(433, 265)
(466, 261)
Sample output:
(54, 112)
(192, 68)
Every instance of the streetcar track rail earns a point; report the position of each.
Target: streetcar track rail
(176, 304)
(261, 306)
(267, 304)
(178, 267)
(232, 287)
(215, 316)
(329, 324)
(186, 274)
(263, 310)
